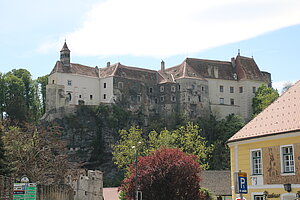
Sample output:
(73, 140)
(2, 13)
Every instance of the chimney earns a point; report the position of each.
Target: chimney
(162, 66)
(239, 52)
(107, 64)
(233, 62)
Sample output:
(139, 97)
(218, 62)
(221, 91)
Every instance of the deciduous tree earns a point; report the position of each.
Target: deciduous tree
(36, 152)
(165, 174)
(264, 96)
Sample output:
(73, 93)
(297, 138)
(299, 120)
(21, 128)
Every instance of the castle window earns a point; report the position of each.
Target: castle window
(173, 98)
(104, 96)
(52, 81)
(139, 98)
(104, 85)
(222, 101)
(162, 98)
(91, 97)
(287, 159)
(150, 90)
(69, 96)
(231, 89)
(241, 89)
(162, 88)
(156, 100)
(253, 89)
(69, 82)
(80, 96)
(221, 88)
(202, 88)
(178, 87)
(199, 98)
(120, 85)
(173, 88)
(232, 102)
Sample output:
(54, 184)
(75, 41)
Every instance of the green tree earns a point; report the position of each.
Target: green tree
(218, 132)
(22, 102)
(2, 95)
(264, 96)
(42, 82)
(187, 138)
(130, 143)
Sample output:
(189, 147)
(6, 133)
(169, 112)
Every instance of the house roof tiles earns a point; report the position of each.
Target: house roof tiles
(282, 116)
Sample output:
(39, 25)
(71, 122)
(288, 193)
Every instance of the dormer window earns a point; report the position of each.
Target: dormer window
(162, 88)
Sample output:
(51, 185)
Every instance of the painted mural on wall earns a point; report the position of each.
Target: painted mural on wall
(272, 166)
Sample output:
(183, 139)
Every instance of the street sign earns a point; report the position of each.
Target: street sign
(242, 183)
(24, 191)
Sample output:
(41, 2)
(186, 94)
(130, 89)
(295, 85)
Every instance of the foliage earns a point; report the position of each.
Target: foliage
(36, 152)
(187, 138)
(286, 86)
(217, 133)
(42, 82)
(4, 166)
(205, 194)
(130, 143)
(165, 174)
(264, 96)
(20, 98)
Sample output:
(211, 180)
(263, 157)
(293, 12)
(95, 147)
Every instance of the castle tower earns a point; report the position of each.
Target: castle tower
(65, 55)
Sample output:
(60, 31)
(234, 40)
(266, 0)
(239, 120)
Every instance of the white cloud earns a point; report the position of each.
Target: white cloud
(162, 28)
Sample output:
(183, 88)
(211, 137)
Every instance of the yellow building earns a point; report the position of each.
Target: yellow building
(268, 150)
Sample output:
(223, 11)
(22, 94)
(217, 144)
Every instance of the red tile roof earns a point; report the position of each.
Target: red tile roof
(75, 69)
(282, 116)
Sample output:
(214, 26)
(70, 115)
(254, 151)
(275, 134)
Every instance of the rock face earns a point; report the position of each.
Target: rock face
(89, 141)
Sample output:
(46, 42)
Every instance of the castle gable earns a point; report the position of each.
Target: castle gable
(75, 69)
(246, 68)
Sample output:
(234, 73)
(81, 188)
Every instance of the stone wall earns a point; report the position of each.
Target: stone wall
(55, 192)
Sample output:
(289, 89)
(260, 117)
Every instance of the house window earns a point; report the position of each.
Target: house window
(253, 89)
(150, 90)
(162, 98)
(258, 197)
(256, 162)
(231, 89)
(232, 102)
(241, 89)
(221, 100)
(162, 88)
(69, 82)
(173, 88)
(104, 96)
(69, 96)
(104, 85)
(120, 85)
(287, 159)
(138, 98)
(91, 97)
(221, 88)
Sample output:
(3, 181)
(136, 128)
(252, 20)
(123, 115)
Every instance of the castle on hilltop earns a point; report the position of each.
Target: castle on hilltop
(196, 87)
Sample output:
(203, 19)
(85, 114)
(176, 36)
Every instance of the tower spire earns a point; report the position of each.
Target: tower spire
(65, 55)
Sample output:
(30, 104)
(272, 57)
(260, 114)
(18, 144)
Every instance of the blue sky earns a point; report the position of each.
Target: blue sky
(143, 32)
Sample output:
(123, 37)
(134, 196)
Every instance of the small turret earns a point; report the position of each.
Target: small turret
(65, 55)
(162, 66)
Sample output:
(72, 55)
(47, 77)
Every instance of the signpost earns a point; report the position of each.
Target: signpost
(241, 186)
(24, 191)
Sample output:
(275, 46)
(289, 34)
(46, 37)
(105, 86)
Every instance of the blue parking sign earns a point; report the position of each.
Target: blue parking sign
(242, 183)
